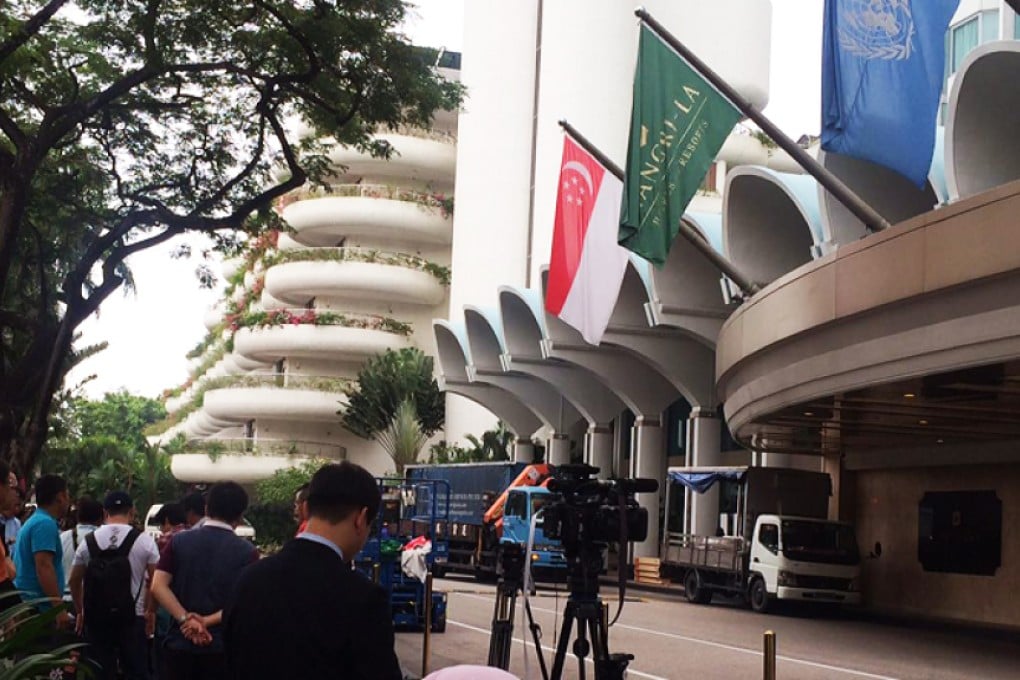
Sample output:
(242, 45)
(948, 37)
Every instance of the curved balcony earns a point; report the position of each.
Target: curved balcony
(424, 156)
(276, 397)
(304, 333)
(354, 273)
(377, 211)
(245, 461)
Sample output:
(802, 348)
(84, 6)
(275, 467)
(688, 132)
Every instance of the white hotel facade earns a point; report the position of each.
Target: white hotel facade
(851, 360)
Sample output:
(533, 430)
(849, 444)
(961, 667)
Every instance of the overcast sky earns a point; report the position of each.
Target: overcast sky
(149, 331)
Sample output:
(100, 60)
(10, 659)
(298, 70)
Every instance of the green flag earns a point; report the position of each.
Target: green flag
(678, 124)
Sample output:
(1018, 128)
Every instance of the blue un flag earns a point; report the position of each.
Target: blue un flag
(882, 67)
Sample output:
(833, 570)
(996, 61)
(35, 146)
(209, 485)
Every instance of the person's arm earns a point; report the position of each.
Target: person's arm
(150, 602)
(76, 582)
(46, 572)
(161, 592)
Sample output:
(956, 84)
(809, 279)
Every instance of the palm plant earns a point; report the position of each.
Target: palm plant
(23, 655)
(403, 438)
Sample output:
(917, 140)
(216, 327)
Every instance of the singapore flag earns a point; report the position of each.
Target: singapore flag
(587, 265)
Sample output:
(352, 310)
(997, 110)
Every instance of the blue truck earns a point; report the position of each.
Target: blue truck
(491, 504)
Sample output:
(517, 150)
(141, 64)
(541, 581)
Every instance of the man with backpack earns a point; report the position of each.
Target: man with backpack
(112, 570)
(88, 513)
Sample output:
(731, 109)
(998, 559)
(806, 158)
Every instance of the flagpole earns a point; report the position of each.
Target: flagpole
(831, 182)
(746, 285)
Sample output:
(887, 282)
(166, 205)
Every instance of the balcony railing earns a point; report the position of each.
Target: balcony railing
(440, 272)
(318, 317)
(252, 380)
(442, 203)
(250, 447)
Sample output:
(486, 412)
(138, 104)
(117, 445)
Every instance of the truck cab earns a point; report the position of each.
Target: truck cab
(522, 503)
(801, 558)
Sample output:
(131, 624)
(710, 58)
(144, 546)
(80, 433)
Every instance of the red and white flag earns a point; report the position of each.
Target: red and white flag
(587, 265)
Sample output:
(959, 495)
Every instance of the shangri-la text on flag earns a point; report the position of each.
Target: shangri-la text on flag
(678, 124)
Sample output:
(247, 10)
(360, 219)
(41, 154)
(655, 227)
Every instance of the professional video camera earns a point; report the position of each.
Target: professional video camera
(586, 516)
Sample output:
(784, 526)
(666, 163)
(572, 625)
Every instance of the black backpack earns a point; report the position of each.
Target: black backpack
(109, 601)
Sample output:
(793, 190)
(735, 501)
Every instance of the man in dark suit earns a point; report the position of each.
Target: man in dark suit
(303, 613)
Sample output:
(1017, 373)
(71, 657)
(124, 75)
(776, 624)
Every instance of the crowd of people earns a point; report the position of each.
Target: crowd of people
(198, 602)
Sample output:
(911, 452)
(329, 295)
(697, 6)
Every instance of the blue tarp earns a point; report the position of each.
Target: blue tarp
(700, 482)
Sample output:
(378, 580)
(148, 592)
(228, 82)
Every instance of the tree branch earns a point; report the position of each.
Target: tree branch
(29, 28)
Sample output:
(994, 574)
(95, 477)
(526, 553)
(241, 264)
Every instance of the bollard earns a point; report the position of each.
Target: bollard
(426, 644)
(375, 572)
(769, 667)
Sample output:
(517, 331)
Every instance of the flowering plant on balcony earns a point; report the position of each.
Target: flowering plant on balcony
(432, 201)
(440, 272)
(296, 317)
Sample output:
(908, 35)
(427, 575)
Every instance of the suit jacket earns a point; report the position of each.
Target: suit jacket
(303, 613)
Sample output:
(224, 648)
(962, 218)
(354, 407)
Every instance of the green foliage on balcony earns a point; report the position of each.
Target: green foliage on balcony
(296, 317)
(440, 272)
(437, 201)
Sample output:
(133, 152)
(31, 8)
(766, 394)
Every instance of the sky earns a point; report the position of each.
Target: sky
(150, 329)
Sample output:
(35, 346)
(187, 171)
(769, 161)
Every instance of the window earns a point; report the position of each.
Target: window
(516, 505)
(1016, 26)
(965, 38)
(960, 532)
(768, 536)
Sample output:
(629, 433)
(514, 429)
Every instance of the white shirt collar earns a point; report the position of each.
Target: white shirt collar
(218, 524)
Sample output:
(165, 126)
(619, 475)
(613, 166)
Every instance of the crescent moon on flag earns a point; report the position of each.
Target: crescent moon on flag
(583, 172)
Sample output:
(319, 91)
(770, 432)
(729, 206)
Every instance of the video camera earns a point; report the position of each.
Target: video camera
(590, 513)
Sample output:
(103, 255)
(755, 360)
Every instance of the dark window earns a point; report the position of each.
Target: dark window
(960, 532)
(517, 505)
(824, 542)
(768, 536)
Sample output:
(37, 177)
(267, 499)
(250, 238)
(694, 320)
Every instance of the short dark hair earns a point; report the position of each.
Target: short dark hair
(47, 488)
(194, 502)
(339, 489)
(90, 511)
(172, 513)
(227, 502)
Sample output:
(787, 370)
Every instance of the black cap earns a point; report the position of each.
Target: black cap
(118, 501)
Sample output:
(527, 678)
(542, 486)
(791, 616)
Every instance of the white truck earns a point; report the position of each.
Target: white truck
(782, 546)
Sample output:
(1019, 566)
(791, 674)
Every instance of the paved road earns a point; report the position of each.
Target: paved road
(673, 639)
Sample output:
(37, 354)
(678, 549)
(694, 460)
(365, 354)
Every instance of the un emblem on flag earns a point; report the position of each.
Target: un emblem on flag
(876, 29)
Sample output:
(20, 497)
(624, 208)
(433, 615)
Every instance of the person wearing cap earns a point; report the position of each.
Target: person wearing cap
(127, 644)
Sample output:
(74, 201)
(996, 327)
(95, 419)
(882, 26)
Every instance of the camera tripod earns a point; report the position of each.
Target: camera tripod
(587, 611)
(501, 638)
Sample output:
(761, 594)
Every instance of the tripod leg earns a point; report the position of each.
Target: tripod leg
(502, 627)
(561, 646)
(536, 635)
(581, 645)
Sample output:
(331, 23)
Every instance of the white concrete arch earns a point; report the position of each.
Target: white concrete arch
(414, 158)
(199, 467)
(238, 404)
(771, 222)
(523, 332)
(891, 194)
(982, 144)
(484, 334)
(687, 363)
(686, 292)
(454, 357)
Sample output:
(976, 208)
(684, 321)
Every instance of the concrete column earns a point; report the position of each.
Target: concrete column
(598, 449)
(649, 460)
(557, 450)
(703, 433)
(524, 451)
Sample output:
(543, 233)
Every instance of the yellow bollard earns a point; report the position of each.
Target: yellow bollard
(427, 643)
(769, 667)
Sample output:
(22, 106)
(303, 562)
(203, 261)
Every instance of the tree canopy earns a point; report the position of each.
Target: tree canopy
(124, 123)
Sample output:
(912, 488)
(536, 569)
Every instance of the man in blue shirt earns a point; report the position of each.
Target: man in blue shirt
(38, 555)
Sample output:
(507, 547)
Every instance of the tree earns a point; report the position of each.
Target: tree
(98, 447)
(125, 123)
(495, 445)
(397, 383)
